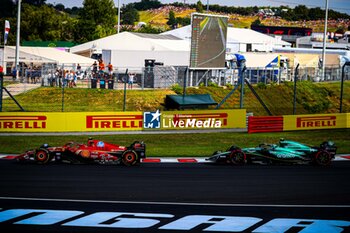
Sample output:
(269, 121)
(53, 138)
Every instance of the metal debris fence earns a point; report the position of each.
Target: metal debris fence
(152, 78)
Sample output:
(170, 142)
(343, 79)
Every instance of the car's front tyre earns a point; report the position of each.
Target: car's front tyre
(237, 158)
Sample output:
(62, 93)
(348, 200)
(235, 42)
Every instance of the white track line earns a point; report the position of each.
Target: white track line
(173, 203)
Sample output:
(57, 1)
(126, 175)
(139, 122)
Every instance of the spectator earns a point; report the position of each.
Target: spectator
(94, 69)
(60, 77)
(75, 77)
(14, 73)
(66, 78)
(101, 66)
(70, 78)
(35, 75)
(78, 68)
(131, 80)
(26, 74)
(32, 75)
(29, 73)
(110, 70)
(52, 78)
(56, 77)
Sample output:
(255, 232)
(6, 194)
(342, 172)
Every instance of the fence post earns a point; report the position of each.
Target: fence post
(1, 85)
(296, 72)
(185, 84)
(342, 86)
(241, 70)
(63, 97)
(125, 81)
(279, 75)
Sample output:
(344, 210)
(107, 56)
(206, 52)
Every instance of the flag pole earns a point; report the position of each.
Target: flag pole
(118, 29)
(3, 51)
(18, 37)
(324, 42)
(6, 35)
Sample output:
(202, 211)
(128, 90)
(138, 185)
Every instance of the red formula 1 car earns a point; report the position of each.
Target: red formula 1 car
(95, 151)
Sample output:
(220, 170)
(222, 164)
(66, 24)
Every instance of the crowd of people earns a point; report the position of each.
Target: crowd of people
(98, 70)
(61, 76)
(32, 74)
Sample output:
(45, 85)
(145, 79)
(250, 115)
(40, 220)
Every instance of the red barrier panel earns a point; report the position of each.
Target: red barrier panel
(260, 124)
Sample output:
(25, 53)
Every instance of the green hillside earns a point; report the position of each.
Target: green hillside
(159, 17)
(311, 98)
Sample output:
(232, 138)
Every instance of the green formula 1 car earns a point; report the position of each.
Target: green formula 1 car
(284, 152)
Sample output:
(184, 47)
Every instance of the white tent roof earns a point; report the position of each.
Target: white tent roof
(259, 59)
(10, 55)
(234, 35)
(247, 36)
(128, 41)
(44, 55)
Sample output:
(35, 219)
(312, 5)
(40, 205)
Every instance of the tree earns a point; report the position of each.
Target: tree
(256, 22)
(316, 13)
(147, 4)
(129, 14)
(149, 29)
(97, 19)
(7, 8)
(301, 12)
(73, 11)
(172, 20)
(59, 7)
(340, 30)
(44, 23)
(183, 21)
(199, 7)
(34, 2)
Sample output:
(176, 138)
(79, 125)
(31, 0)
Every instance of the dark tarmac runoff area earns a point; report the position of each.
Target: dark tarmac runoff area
(174, 197)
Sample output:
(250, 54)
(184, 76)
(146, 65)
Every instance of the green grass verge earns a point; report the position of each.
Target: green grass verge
(49, 99)
(311, 98)
(175, 145)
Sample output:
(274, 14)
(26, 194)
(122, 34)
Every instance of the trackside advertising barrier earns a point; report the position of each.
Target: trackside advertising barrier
(319, 121)
(258, 124)
(121, 121)
(298, 122)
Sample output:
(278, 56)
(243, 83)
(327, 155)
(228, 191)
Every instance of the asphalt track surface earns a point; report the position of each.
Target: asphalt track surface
(211, 32)
(174, 191)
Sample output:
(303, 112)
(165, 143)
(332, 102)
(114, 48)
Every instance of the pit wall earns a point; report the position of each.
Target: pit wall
(121, 121)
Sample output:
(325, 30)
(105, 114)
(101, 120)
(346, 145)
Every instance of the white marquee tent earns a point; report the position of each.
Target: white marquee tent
(39, 55)
(129, 50)
(239, 39)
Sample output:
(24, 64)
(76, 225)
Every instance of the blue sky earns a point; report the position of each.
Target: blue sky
(338, 5)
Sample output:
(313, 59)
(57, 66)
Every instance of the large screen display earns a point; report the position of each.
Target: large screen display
(208, 41)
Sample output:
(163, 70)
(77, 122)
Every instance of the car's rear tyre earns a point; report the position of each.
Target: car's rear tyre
(42, 156)
(323, 158)
(129, 158)
(237, 158)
